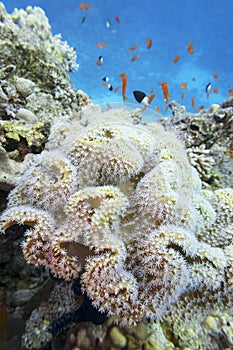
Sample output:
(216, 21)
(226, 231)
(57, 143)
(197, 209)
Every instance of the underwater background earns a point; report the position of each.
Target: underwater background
(171, 25)
(116, 233)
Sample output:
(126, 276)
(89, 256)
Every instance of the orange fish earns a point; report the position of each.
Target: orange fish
(117, 19)
(157, 109)
(215, 75)
(199, 108)
(149, 43)
(193, 101)
(183, 86)
(124, 81)
(116, 88)
(182, 96)
(150, 98)
(99, 63)
(230, 92)
(104, 83)
(134, 58)
(176, 59)
(101, 44)
(132, 48)
(190, 47)
(215, 89)
(165, 90)
(84, 6)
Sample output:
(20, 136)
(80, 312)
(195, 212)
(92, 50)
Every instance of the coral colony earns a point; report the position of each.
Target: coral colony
(118, 205)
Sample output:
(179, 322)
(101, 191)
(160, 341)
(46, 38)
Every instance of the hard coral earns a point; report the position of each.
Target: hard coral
(119, 206)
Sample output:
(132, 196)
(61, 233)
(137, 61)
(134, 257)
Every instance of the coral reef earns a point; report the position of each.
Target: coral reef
(208, 138)
(118, 205)
(34, 86)
(34, 66)
(41, 318)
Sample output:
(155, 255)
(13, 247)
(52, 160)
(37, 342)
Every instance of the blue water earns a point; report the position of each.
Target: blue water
(171, 24)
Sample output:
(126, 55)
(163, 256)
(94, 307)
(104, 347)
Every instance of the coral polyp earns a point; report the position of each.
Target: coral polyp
(118, 205)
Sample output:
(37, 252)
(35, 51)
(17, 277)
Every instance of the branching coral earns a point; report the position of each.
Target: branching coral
(119, 206)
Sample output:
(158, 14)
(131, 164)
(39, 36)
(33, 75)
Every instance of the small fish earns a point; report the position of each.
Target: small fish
(193, 79)
(157, 109)
(207, 90)
(182, 96)
(193, 101)
(141, 97)
(183, 86)
(117, 88)
(105, 78)
(190, 47)
(108, 24)
(199, 108)
(151, 97)
(230, 92)
(100, 60)
(215, 75)
(176, 59)
(134, 58)
(149, 43)
(101, 44)
(117, 19)
(110, 87)
(165, 90)
(215, 90)
(83, 19)
(104, 83)
(84, 6)
(124, 81)
(132, 48)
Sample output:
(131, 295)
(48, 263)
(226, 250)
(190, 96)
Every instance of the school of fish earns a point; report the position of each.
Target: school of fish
(147, 45)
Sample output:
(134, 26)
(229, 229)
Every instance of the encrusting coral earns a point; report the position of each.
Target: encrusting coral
(119, 206)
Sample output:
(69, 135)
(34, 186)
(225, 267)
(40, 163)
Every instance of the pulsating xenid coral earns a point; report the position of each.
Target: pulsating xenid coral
(119, 206)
